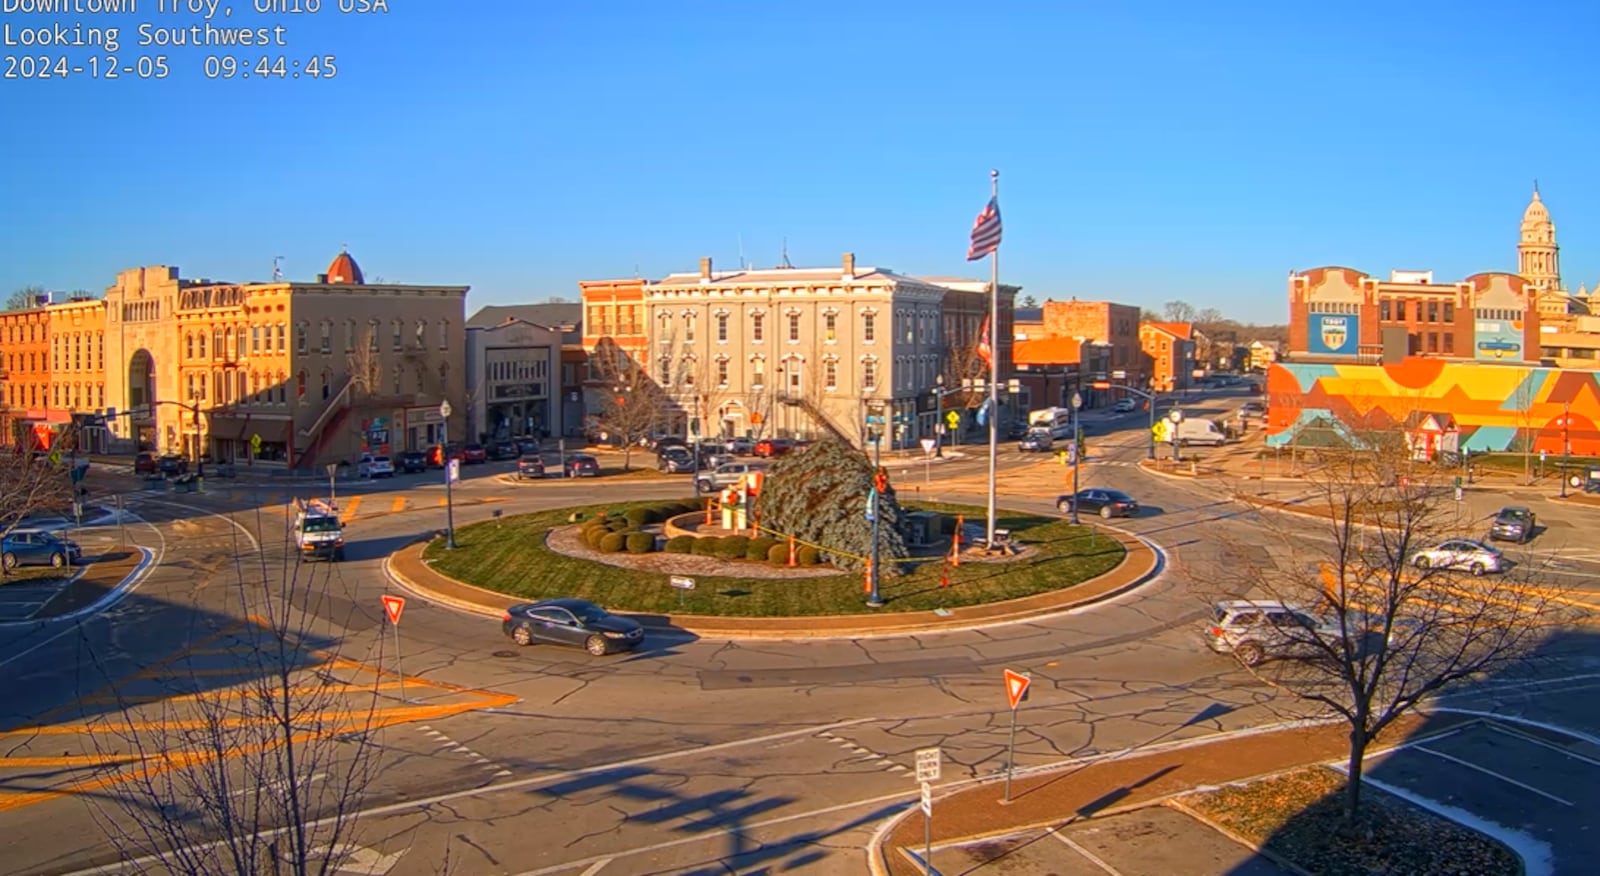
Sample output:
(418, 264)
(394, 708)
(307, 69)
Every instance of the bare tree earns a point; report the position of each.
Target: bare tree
(258, 768)
(1383, 619)
(24, 298)
(1178, 311)
(28, 485)
(632, 405)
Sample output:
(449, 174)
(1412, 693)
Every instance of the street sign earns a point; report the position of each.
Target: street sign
(927, 799)
(1119, 375)
(392, 606)
(1016, 686)
(928, 761)
(453, 471)
(681, 582)
(444, 410)
(952, 419)
(927, 445)
(255, 443)
(55, 456)
(1077, 400)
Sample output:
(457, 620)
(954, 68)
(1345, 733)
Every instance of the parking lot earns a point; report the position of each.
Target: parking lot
(1539, 783)
(1153, 841)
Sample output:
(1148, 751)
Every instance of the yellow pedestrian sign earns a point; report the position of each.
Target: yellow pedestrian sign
(255, 444)
(1162, 430)
(55, 456)
(952, 419)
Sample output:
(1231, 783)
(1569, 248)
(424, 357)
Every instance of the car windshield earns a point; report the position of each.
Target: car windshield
(1514, 515)
(381, 460)
(321, 524)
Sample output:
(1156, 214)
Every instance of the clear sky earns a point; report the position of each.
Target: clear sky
(1148, 150)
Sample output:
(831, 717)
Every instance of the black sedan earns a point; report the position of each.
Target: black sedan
(571, 622)
(1108, 503)
(530, 466)
(412, 462)
(1513, 523)
(582, 465)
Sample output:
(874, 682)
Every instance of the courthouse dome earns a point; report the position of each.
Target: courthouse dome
(344, 269)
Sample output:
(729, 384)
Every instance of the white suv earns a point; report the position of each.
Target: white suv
(1253, 630)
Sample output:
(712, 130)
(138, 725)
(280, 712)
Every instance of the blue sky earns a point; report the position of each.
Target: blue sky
(1148, 151)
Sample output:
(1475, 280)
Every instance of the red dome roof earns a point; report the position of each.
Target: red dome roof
(345, 270)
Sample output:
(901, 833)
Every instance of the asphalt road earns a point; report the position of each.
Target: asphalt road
(686, 757)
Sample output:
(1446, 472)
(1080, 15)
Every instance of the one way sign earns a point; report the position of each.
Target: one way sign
(1016, 686)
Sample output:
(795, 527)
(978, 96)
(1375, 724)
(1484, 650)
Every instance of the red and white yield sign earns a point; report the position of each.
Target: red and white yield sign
(393, 605)
(1016, 686)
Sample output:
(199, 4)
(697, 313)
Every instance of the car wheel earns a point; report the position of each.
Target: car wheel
(596, 645)
(8, 561)
(1250, 654)
(1422, 562)
(1064, 507)
(1106, 512)
(1478, 569)
(57, 560)
(522, 635)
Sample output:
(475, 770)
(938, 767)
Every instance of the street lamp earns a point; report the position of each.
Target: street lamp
(1077, 453)
(449, 499)
(938, 416)
(1177, 441)
(1566, 443)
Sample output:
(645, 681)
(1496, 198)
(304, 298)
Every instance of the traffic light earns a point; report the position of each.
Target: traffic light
(880, 480)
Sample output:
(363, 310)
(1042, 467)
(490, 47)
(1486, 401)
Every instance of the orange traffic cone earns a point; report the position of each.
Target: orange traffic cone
(866, 584)
(944, 576)
(708, 512)
(794, 555)
(955, 541)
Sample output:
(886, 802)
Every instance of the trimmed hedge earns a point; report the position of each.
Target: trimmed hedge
(591, 537)
(680, 544)
(611, 543)
(619, 526)
(640, 542)
(808, 555)
(706, 547)
(778, 555)
(733, 547)
(759, 547)
(640, 516)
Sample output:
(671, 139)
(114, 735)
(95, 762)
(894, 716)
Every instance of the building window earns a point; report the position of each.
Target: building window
(666, 371)
(1383, 309)
(394, 379)
(300, 339)
(869, 327)
(722, 371)
(444, 334)
(188, 346)
(1433, 311)
(830, 330)
(399, 336)
(327, 336)
(372, 335)
(758, 373)
(756, 326)
(830, 373)
(1433, 342)
(792, 374)
(794, 328)
(421, 338)
(255, 340)
(869, 373)
(1449, 313)
(722, 328)
(690, 365)
(688, 328)
(1449, 341)
(326, 389)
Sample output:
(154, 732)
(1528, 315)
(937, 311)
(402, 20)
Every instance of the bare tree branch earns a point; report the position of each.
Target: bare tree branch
(27, 486)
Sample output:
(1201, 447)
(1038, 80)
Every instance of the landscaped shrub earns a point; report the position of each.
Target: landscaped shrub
(706, 547)
(759, 547)
(592, 537)
(619, 525)
(733, 547)
(808, 555)
(640, 516)
(778, 555)
(611, 542)
(640, 542)
(680, 544)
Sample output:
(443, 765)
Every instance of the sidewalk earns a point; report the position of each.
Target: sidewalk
(1104, 785)
(1143, 562)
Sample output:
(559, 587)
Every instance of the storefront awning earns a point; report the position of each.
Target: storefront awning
(227, 428)
(271, 431)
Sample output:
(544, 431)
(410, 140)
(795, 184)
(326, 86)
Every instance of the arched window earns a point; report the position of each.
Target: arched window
(300, 386)
(327, 379)
(188, 345)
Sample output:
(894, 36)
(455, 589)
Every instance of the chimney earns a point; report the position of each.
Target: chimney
(705, 270)
(323, 279)
(849, 266)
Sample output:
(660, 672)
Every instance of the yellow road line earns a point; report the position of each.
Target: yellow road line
(398, 505)
(345, 687)
(350, 509)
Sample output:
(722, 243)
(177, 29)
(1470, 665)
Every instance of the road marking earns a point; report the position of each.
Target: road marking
(1488, 772)
(1093, 859)
(255, 546)
(349, 510)
(1526, 737)
(398, 505)
(596, 867)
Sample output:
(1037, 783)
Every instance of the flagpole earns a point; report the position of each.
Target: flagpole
(994, 361)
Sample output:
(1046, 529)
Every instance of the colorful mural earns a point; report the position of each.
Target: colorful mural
(1493, 340)
(1334, 335)
(1495, 407)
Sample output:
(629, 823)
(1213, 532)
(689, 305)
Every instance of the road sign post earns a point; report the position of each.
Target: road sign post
(449, 496)
(392, 607)
(928, 763)
(681, 583)
(1016, 685)
(255, 449)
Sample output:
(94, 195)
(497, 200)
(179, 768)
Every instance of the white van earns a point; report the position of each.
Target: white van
(1058, 421)
(1201, 431)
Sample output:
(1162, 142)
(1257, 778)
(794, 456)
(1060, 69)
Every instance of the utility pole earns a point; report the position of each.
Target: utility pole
(449, 499)
(1077, 452)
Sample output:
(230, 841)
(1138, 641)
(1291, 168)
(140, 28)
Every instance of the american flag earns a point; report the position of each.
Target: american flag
(985, 231)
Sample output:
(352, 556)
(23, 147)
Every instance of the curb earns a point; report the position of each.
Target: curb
(865, 625)
(1282, 863)
(112, 597)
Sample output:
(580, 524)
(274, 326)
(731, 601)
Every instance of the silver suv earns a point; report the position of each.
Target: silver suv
(1253, 630)
(726, 475)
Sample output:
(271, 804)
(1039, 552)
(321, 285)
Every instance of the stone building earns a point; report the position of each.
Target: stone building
(515, 377)
(283, 372)
(25, 376)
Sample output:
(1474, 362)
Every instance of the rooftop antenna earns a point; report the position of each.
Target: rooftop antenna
(636, 271)
(277, 274)
(742, 265)
(785, 262)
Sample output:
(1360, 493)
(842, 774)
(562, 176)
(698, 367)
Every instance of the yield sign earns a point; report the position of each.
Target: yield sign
(1016, 686)
(393, 605)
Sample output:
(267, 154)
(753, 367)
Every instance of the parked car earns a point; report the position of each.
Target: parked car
(35, 548)
(1106, 503)
(502, 450)
(1124, 406)
(659, 442)
(676, 459)
(771, 448)
(1252, 410)
(172, 465)
(740, 446)
(472, 454)
(571, 622)
(1513, 523)
(382, 467)
(726, 475)
(145, 463)
(526, 446)
(413, 461)
(582, 465)
(1036, 441)
(1461, 553)
(530, 466)
(438, 455)
(1254, 631)
(44, 521)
